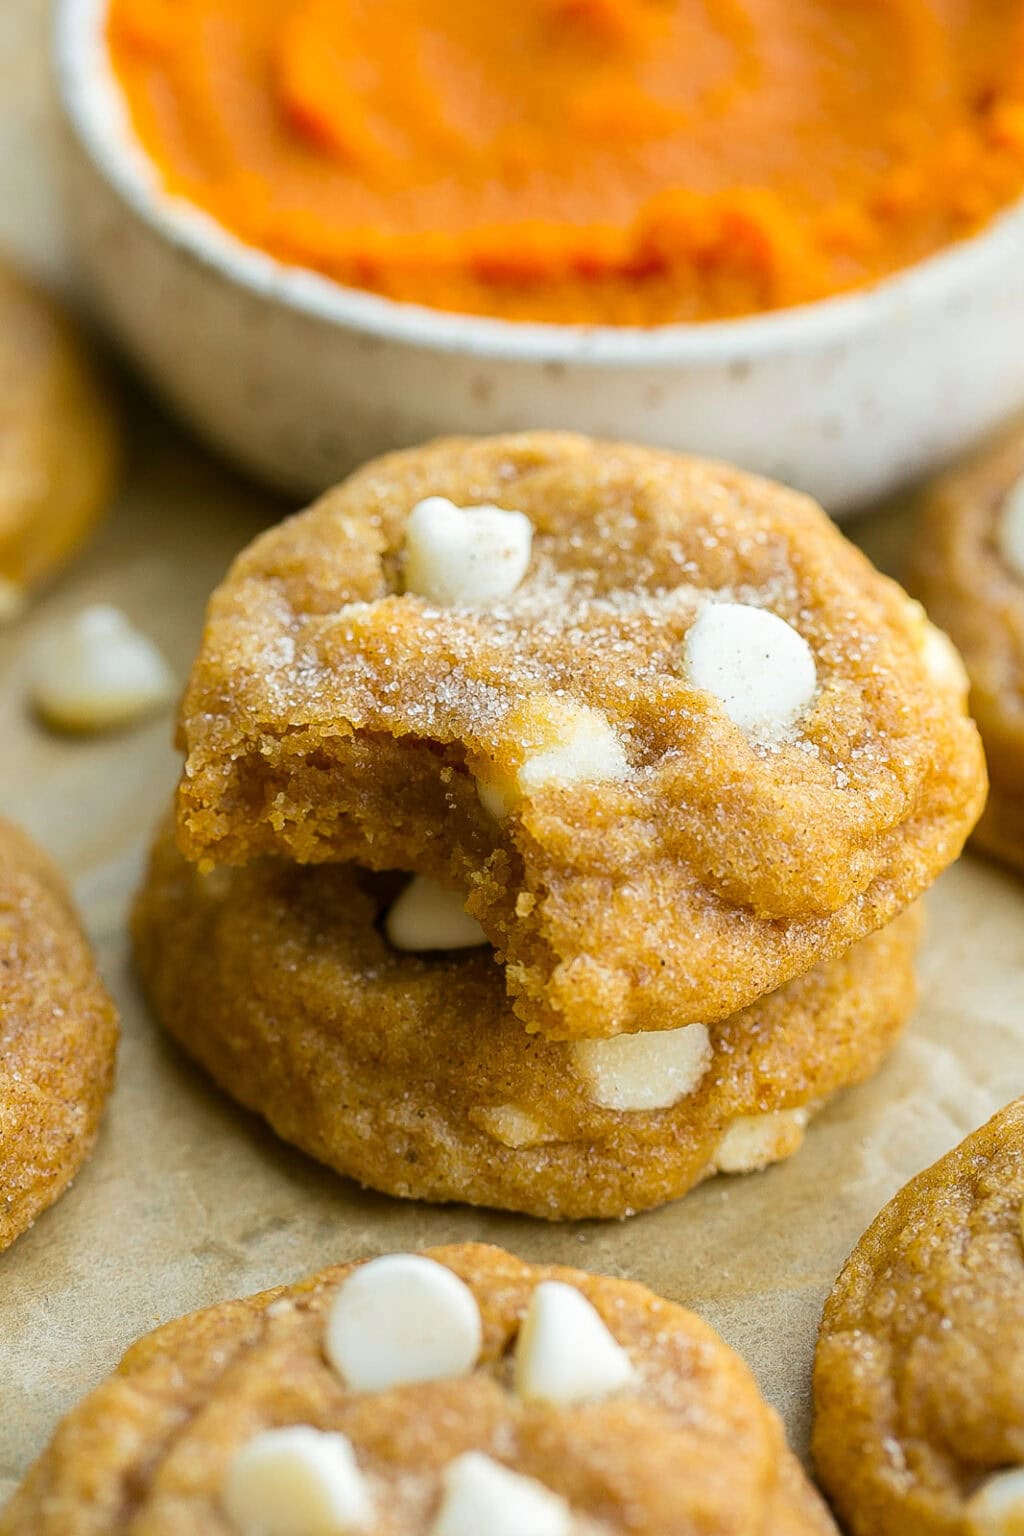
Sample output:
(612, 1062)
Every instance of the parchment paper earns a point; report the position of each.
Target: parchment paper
(188, 1200)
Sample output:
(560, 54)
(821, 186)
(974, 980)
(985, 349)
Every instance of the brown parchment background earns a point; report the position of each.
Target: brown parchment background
(188, 1200)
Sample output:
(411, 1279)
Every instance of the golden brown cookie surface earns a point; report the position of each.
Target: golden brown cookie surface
(58, 1037)
(59, 444)
(919, 1376)
(685, 1444)
(411, 1074)
(331, 718)
(968, 569)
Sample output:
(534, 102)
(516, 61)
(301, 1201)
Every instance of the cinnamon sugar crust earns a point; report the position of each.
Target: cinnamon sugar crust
(411, 1073)
(330, 717)
(58, 1037)
(919, 1375)
(692, 1446)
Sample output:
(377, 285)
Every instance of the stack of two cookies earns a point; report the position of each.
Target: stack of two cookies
(552, 823)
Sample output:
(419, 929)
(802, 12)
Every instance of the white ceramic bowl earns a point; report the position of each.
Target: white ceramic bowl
(297, 378)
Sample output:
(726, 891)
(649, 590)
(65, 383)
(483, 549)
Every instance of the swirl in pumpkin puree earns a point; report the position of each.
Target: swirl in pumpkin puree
(619, 161)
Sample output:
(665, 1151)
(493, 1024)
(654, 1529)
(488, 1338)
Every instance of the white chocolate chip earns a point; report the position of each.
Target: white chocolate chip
(758, 666)
(1011, 529)
(944, 662)
(997, 1509)
(461, 556)
(399, 1319)
(97, 671)
(512, 1126)
(482, 1496)
(564, 1353)
(754, 1141)
(940, 656)
(297, 1481)
(427, 916)
(562, 743)
(647, 1071)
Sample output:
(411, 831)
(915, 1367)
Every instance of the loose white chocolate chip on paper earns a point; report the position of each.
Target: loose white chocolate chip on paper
(429, 916)
(754, 1141)
(1011, 529)
(484, 1498)
(759, 668)
(566, 743)
(97, 671)
(402, 1318)
(296, 1481)
(997, 1509)
(565, 1353)
(651, 1070)
(465, 555)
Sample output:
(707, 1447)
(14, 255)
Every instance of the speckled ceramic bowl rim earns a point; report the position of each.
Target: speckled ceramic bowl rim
(98, 114)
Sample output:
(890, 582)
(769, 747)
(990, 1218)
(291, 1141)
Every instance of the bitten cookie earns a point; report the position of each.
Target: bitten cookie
(58, 1037)
(59, 444)
(967, 566)
(674, 736)
(919, 1377)
(437, 1394)
(410, 1072)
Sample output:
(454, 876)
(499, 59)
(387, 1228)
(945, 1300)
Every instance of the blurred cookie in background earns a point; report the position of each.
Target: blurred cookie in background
(967, 567)
(58, 1037)
(59, 440)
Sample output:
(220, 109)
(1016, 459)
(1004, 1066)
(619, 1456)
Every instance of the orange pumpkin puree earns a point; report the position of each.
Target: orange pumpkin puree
(624, 161)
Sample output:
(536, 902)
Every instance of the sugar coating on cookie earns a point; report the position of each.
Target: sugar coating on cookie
(759, 668)
(481, 1495)
(235, 1412)
(565, 1353)
(1011, 528)
(430, 916)
(464, 555)
(97, 671)
(557, 742)
(569, 753)
(296, 1481)
(58, 1037)
(652, 1070)
(918, 1387)
(412, 1074)
(399, 1319)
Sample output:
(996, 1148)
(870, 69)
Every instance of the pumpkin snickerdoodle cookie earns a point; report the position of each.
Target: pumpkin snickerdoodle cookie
(59, 444)
(919, 1377)
(58, 1037)
(435, 1394)
(968, 569)
(672, 734)
(410, 1072)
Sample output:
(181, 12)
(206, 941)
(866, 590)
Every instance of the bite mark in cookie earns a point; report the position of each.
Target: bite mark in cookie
(566, 753)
